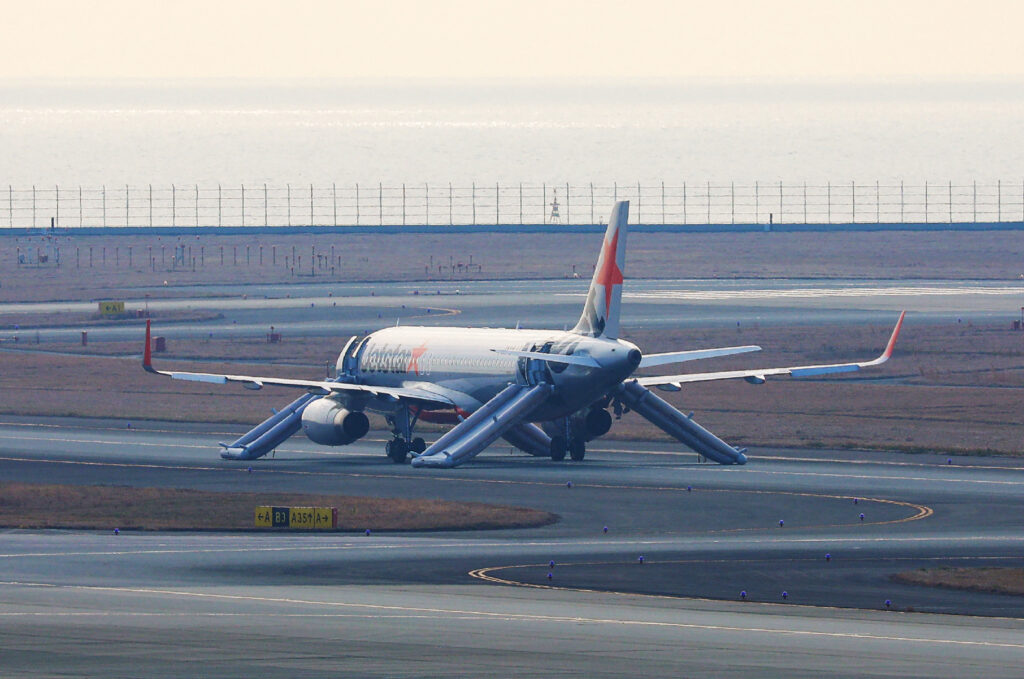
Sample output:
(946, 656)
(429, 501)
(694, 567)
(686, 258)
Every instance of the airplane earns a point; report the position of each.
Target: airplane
(546, 392)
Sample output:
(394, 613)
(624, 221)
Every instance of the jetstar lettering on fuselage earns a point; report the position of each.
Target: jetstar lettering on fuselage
(546, 392)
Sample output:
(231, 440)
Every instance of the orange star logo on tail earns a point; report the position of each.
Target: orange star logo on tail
(610, 274)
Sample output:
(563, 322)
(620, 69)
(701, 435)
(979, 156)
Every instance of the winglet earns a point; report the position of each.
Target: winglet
(147, 354)
(885, 355)
(892, 340)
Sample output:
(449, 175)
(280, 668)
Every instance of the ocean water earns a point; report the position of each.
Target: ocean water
(230, 133)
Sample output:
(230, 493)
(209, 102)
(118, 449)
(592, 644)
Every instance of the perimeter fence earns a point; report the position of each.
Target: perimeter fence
(291, 205)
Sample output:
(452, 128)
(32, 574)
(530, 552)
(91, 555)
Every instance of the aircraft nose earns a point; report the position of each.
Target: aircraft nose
(635, 357)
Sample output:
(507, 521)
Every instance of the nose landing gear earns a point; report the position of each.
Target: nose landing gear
(576, 448)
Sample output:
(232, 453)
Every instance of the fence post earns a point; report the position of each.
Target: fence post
(403, 203)
(902, 203)
(380, 202)
(220, 212)
(126, 211)
(357, 204)
(999, 201)
(828, 189)
(951, 201)
(266, 208)
(10, 203)
(56, 202)
(732, 201)
(311, 218)
(151, 204)
(473, 196)
(663, 202)
(79, 205)
(638, 202)
(197, 204)
(497, 204)
(544, 204)
(853, 201)
(520, 203)
(288, 199)
(684, 202)
(243, 205)
(426, 204)
(878, 208)
(567, 202)
(757, 202)
(974, 203)
(451, 199)
(709, 202)
(805, 201)
(334, 207)
(592, 202)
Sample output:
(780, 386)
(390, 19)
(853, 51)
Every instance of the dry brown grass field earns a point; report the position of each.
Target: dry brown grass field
(97, 267)
(1001, 580)
(949, 389)
(25, 505)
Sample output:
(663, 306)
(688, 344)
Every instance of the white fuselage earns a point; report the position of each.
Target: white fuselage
(465, 364)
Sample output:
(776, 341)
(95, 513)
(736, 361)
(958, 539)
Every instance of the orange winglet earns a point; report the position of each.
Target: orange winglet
(147, 354)
(895, 333)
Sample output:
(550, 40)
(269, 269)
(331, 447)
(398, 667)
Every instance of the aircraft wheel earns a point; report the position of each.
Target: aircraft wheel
(577, 449)
(418, 445)
(557, 448)
(397, 451)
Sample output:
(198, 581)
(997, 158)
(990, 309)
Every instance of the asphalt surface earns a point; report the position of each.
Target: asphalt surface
(336, 309)
(84, 603)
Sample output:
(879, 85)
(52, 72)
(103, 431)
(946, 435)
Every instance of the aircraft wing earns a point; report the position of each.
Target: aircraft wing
(758, 375)
(694, 355)
(321, 387)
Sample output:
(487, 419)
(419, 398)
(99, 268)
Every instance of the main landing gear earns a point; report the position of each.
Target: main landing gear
(576, 448)
(398, 448)
(403, 443)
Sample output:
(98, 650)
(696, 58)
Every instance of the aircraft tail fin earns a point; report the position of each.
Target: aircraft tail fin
(601, 312)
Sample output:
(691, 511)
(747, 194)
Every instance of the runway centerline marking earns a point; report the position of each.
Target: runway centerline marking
(524, 617)
(682, 542)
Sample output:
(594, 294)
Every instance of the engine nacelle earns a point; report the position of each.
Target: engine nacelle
(597, 422)
(326, 422)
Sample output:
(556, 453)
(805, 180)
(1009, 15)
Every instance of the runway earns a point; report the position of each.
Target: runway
(333, 309)
(481, 603)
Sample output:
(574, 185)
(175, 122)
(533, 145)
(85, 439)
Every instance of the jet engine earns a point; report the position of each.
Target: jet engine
(328, 423)
(597, 423)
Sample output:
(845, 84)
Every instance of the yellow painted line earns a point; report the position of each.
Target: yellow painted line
(485, 574)
(526, 617)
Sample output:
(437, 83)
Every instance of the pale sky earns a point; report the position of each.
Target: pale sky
(789, 39)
